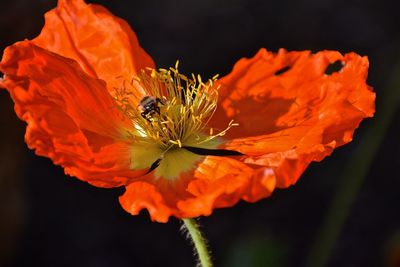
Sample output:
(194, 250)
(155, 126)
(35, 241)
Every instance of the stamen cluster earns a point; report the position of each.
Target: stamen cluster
(184, 107)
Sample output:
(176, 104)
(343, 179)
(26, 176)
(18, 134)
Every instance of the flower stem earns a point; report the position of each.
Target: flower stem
(200, 245)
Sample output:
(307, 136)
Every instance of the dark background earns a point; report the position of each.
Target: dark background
(49, 219)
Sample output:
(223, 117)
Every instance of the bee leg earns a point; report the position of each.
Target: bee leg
(160, 101)
(145, 115)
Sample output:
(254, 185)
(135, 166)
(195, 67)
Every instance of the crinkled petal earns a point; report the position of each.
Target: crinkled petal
(104, 45)
(70, 116)
(290, 112)
(216, 182)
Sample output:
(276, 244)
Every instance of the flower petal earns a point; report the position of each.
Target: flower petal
(71, 117)
(103, 44)
(217, 182)
(288, 119)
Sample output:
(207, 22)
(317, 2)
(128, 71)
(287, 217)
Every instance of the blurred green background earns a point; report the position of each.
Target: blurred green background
(344, 211)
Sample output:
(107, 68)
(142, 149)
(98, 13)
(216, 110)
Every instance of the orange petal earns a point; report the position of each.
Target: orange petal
(286, 120)
(103, 45)
(142, 195)
(217, 182)
(71, 117)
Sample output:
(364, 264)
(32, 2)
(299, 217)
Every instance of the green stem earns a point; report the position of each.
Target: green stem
(200, 245)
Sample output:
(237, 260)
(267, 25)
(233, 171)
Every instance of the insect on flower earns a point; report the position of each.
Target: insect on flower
(95, 104)
(149, 107)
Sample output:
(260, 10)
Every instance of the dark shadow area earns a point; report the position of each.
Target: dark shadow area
(334, 67)
(247, 113)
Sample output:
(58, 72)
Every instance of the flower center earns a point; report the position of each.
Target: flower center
(170, 121)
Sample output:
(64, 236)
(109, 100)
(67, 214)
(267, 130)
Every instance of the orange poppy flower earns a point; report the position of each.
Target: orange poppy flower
(95, 105)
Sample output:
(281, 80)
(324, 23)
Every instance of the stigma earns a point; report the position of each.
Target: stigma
(170, 113)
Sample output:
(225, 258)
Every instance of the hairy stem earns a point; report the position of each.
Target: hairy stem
(191, 227)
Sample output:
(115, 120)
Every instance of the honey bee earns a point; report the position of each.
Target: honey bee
(149, 106)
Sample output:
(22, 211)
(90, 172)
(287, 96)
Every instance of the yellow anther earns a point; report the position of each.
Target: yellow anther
(182, 107)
